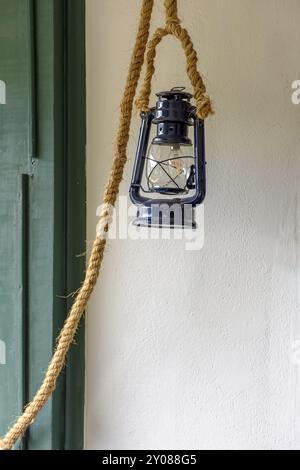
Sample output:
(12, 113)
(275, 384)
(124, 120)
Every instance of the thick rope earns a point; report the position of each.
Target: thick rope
(70, 327)
(171, 12)
(110, 195)
(172, 27)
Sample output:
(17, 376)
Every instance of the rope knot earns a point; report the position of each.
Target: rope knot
(171, 12)
(172, 20)
(173, 28)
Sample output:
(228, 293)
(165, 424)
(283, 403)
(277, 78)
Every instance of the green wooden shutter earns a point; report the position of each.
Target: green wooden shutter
(42, 209)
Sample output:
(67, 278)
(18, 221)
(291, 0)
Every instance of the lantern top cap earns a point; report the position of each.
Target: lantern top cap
(176, 93)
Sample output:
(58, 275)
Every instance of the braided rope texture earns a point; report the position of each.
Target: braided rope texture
(110, 195)
(172, 27)
(203, 107)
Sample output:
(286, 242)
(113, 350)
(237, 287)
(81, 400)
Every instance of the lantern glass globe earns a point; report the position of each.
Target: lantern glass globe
(169, 168)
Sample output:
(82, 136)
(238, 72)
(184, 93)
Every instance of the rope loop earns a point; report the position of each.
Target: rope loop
(172, 27)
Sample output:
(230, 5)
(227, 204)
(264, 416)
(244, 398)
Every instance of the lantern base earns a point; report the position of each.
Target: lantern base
(166, 216)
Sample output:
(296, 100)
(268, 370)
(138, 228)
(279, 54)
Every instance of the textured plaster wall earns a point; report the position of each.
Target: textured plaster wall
(194, 349)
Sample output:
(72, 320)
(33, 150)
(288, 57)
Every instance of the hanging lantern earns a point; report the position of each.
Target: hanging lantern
(168, 179)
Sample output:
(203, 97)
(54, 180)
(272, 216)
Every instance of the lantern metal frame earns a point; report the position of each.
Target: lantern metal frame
(136, 188)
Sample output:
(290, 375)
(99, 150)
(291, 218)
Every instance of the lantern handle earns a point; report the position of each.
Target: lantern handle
(178, 88)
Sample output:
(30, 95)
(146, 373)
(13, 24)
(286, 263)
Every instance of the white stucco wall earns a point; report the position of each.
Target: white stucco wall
(193, 349)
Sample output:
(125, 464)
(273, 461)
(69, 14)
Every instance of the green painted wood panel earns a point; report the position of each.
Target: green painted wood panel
(42, 209)
(15, 160)
(76, 210)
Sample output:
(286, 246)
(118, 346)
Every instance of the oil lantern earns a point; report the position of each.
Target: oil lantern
(168, 180)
